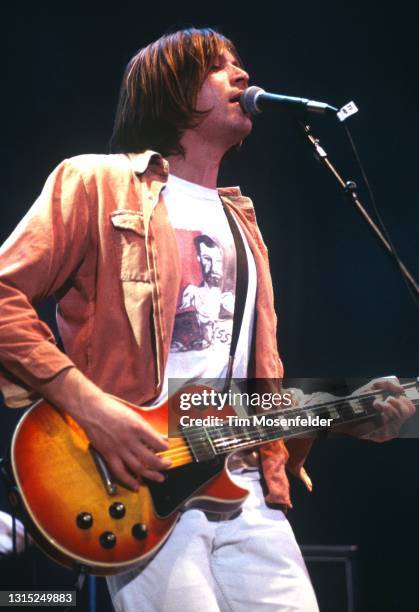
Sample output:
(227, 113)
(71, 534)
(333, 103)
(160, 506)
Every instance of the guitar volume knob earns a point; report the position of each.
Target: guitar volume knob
(84, 520)
(117, 510)
(107, 539)
(139, 531)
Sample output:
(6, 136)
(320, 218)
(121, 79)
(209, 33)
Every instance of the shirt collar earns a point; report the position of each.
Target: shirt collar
(141, 161)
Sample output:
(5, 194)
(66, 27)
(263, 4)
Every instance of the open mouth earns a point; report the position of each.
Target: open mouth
(235, 99)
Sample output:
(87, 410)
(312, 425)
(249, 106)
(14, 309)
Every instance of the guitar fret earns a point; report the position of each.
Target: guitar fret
(260, 431)
(333, 413)
(357, 407)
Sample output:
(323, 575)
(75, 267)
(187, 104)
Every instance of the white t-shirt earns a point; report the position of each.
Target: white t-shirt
(201, 337)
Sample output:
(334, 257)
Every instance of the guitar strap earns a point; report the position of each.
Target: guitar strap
(242, 279)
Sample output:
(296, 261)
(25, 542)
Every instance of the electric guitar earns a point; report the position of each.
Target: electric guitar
(84, 520)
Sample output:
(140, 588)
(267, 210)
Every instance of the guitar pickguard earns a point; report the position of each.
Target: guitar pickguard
(181, 483)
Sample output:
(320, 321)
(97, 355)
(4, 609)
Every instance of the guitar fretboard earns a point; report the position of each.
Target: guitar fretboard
(237, 433)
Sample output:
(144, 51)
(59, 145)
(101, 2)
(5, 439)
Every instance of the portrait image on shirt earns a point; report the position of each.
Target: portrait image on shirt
(205, 308)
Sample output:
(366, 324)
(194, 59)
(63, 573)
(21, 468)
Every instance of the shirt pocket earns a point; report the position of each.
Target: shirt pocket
(130, 242)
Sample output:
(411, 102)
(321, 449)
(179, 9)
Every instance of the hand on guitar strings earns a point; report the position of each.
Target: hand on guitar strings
(391, 413)
(126, 442)
(123, 438)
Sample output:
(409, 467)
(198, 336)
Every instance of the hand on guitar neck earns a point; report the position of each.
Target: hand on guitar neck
(392, 413)
(125, 440)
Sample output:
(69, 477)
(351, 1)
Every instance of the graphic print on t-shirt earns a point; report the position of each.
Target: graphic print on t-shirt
(204, 314)
(201, 336)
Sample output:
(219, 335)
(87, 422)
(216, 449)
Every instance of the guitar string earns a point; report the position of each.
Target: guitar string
(199, 441)
(297, 411)
(233, 440)
(242, 440)
(245, 437)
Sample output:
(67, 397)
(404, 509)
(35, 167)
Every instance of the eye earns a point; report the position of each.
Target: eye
(215, 67)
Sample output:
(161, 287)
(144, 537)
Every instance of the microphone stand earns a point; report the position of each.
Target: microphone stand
(349, 188)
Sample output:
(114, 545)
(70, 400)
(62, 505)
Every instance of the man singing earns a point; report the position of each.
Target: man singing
(113, 238)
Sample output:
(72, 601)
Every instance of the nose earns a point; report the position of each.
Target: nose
(240, 76)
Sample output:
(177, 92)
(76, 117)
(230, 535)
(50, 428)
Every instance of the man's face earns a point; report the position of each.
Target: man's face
(226, 122)
(211, 261)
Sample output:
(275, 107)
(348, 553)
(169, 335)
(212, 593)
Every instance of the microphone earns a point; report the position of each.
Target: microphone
(255, 100)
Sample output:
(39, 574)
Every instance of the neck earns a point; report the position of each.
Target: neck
(201, 162)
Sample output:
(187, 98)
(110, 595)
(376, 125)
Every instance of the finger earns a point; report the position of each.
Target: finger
(147, 457)
(151, 437)
(392, 416)
(141, 469)
(152, 475)
(389, 384)
(404, 406)
(387, 410)
(120, 472)
(399, 409)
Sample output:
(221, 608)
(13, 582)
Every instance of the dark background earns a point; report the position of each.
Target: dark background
(344, 311)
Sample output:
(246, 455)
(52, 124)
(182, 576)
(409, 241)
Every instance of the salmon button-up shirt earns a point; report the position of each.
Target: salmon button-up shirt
(99, 239)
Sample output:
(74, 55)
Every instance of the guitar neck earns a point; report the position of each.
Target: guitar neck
(246, 432)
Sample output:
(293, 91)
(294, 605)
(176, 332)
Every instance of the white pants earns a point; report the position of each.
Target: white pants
(250, 563)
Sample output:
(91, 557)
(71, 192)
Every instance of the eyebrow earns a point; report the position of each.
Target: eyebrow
(234, 61)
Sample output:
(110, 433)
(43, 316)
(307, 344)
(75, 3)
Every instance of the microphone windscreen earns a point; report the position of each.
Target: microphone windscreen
(248, 99)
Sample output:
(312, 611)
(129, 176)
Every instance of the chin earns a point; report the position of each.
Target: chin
(246, 126)
(242, 134)
(240, 129)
